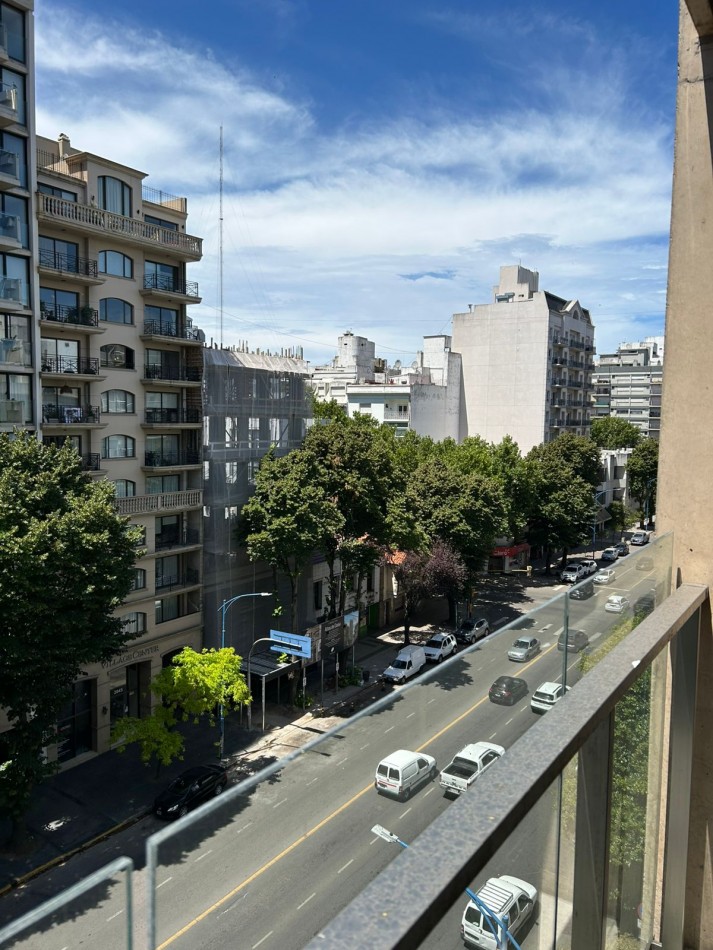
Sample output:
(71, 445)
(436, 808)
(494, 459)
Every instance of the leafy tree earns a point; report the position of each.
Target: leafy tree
(410, 573)
(289, 517)
(155, 735)
(66, 562)
(195, 684)
(445, 575)
(612, 433)
(572, 455)
(620, 516)
(641, 472)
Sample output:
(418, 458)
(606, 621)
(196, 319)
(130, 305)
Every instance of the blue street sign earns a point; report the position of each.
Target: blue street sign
(291, 643)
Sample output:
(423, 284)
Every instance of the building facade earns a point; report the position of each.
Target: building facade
(627, 385)
(527, 363)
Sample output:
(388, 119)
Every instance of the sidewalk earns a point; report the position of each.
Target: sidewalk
(78, 807)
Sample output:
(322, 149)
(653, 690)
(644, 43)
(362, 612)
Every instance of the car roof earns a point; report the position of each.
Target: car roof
(477, 748)
(547, 687)
(506, 680)
(403, 757)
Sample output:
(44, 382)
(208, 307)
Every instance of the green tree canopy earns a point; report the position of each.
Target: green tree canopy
(66, 562)
(642, 470)
(612, 433)
(572, 455)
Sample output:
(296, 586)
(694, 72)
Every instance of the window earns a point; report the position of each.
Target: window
(157, 484)
(134, 623)
(167, 609)
(167, 531)
(114, 310)
(162, 277)
(13, 279)
(15, 398)
(253, 431)
(56, 192)
(116, 356)
(231, 473)
(141, 540)
(161, 320)
(160, 222)
(114, 195)
(278, 431)
(74, 722)
(14, 22)
(115, 264)
(14, 145)
(124, 488)
(118, 447)
(138, 582)
(232, 431)
(162, 449)
(13, 220)
(253, 467)
(60, 255)
(16, 340)
(317, 596)
(15, 83)
(59, 305)
(117, 400)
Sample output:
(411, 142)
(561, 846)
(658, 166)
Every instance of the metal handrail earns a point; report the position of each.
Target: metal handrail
(69, 263)
(172, 285)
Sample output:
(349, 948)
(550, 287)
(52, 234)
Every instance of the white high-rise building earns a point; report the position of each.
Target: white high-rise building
(527, 362)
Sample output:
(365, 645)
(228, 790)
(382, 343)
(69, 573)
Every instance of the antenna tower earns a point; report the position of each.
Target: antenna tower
(220, 265)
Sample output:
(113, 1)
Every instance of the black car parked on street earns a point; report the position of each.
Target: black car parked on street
(189, 789)
(507, 690)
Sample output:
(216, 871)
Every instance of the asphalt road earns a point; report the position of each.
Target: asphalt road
(273, 866)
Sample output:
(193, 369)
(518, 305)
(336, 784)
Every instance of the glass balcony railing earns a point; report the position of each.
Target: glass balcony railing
(568, 826)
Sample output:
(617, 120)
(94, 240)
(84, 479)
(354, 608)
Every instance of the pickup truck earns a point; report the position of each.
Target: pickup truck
(467, 765)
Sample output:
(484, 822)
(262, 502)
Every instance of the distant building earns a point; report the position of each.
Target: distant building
(526, 363)
(627, 385)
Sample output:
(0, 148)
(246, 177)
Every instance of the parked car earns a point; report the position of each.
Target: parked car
(639, 537)
(439, 647)
(573, 573)
(575, 642)
(605, 575)
(399, 773)
(465, 767)
(546, 695)
(472, 630)
(583, 590)
(503, 896)
(622, 548)
(408, 663)
(507, 690)
(610, 554)
(616, 604)
(590, 566)
(644, 563)
(189, 789)
(523, 649)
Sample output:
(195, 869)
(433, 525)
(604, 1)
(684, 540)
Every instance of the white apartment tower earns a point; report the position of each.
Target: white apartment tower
(527, 363)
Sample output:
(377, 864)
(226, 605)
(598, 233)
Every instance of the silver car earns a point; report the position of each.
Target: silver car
(523, 649)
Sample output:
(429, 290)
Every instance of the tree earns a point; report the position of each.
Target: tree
(66, 562)
(641, 471)
(573, 454)
(612, 433)
(155, 735)
(445, 575)
(409, 571)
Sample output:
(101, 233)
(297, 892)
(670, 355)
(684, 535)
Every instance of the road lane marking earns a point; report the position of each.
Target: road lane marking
(410, 715)
(256, 945)
(345, 759)
(233, 905)
(280, 803)
(164, 882)
(426, 794)
(115, 915)
(492, 737)
(312, 782)
(431, 701)
(403, 815)
(204, 855)
(361, 749)
(389, 729)
(344, 867)
(509, 720)
(307, 901)
(249, 823)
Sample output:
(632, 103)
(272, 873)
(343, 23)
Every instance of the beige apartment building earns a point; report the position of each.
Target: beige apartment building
(120, 370)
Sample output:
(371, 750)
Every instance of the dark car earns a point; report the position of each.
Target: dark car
(622, 548)
(192, 787)
(507, 690)
(472, 630)
(645, 604)
(576, 641)
(582, 591)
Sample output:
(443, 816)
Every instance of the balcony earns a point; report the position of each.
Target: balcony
(15, 352)
(558, 360)
(173, 417)
(83, 317)
(118, 227)
(54, 414)
(159, 502)
(11, 293)
(91, 462)
(10, 236)
(9, 170)
(171, 459)
(190, 537)
(181, 375)
(8, 105)
(157, 329)
(68, 365)
(559, 340)
(80, 269)
(168, 288)
(396, 415)
(188, 578)
(558, 382)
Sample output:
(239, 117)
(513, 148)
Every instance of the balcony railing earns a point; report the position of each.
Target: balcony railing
(11, 290)
(166, 284)
(118, 225)
(68, 264)
(16, 352)
(177, 539)
(91, 462)
(187, 578)
(9, 227)
(160, 501)
(178, 373)
(61, 313)
(169, 459)
(82, 365)
(173, 416)
(55, 414)
(158, 197)
(9, 164)
(169, 328)
(395, 415)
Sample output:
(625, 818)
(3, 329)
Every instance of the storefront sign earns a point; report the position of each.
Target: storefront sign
(132, 656)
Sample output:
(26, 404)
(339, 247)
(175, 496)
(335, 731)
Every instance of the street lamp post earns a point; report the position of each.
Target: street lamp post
(223, 609)
(594, 522)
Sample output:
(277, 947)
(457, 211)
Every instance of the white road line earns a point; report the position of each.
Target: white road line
(546, 627)
(361, 749)
(390, 729)
(204, 855)
(249, 823)
(344, 867)
(115, 915)
(410, 715)
(431, 701)
(234, 904)
(312, 782)
(280, 803)
(509, 720)
(404, 814)
(431, 789)
(255, 945)
(164, 882)
(492, 737)
(307, 901)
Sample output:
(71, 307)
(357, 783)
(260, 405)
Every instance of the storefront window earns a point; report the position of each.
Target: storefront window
(74, 727)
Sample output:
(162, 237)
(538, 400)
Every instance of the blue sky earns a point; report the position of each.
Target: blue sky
(383, 159)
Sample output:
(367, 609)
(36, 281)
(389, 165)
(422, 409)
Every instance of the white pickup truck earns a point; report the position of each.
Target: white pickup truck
(467, 765)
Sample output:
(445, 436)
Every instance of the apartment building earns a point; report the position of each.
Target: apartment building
(627, 385)
(119, 376)
(527, 363)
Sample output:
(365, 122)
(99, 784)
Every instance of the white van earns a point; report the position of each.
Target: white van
(411, 660)
(504, 895)
(401, 771)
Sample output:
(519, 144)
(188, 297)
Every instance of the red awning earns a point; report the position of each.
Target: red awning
(510, 552)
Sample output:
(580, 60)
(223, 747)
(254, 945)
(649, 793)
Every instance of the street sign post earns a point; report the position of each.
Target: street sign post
(291, 643)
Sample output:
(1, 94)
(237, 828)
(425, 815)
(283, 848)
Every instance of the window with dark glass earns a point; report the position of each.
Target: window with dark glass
(13, 157)
(161, 320)
(74, 723)
(138, 582)
(56, 192)
(12, 93)
(117, 400)
(114, 195)
(15, 340)
(167, 608)
(59, 305)
(125, 488)
(13, 219)
(160, 222)
(14, 279)
(167, 531)
(58, 254)
(117, 356)
(162, 450)
(157, 484)
(115, 310)
(15, 398)
(115, 264)
(118, 447)
(162, 276)
(13, 21)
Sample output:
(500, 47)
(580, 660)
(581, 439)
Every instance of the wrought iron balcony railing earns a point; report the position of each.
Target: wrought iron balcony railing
(173, 416)
(169, 328)
(68, 264)
(83, 316)
(177, 539)
(187, 578)
(172, 285)
(82, 365)
(179, 373)
(169, 459)
(56, 414)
